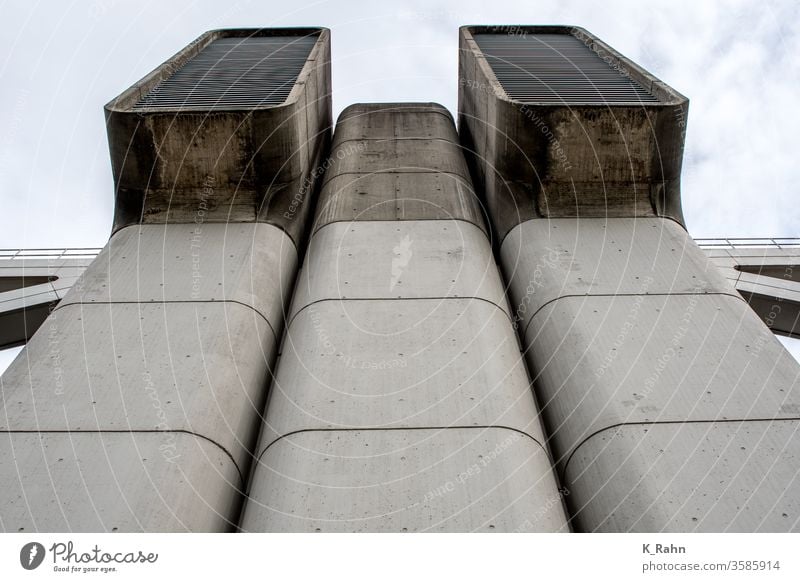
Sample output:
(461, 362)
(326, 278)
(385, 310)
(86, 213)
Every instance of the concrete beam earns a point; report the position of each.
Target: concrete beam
(768, 277)
(32, 282)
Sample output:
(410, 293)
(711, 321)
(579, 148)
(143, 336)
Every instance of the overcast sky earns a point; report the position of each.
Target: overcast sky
(60, 62)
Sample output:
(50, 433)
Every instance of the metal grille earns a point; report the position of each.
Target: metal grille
(556, 68)
(234, 72)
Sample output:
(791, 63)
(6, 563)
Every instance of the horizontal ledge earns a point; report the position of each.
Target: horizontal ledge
(134, 431)
(680, 294)
(563, 475)
(401, 428)
(396, 170)
(482, 228)
(62, 305)
(466, 298)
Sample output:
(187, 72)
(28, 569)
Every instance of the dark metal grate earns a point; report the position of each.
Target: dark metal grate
(556, 68)
(234, 72)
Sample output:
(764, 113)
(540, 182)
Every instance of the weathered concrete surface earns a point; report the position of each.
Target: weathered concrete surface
(201, 368)
(441, 156)
(418, 363)
(458, 479)
(194, 263)
(352, 197)
(644, 356)
(362, 260)
(401, 402)
(534, 160)
(115, 481)
(708, 476)
(386, 189)
(577, 257)
(247, 165)
(656, 358)
(395, 121)
(631, 326)
(177, 355)
(173, 330)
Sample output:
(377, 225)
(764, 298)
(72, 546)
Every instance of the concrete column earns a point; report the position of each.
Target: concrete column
(137, 404)
(668, 404)
(401, 402)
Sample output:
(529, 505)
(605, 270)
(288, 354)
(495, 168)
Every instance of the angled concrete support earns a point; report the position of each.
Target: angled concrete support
(32, 282)
(137, 404)
(401, 402)
(768, 277)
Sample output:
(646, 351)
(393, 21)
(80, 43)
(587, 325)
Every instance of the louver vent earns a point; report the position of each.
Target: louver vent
(557, 69)
(234, 72)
